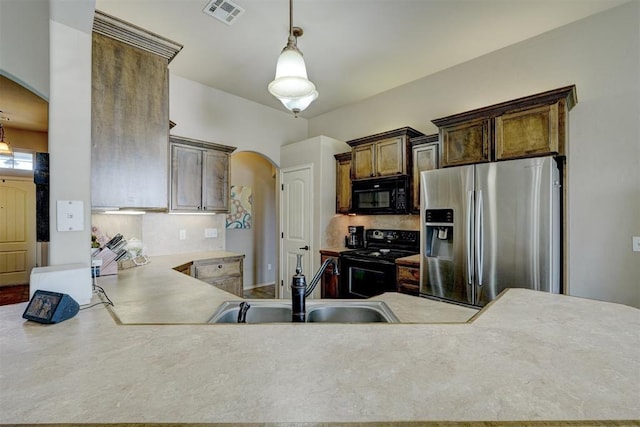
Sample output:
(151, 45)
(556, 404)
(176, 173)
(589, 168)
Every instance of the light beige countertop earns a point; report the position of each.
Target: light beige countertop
(334, 250)
(409, 260)
(527, 356)
(154, 293)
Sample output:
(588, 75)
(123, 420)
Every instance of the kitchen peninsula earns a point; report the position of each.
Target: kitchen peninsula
(526, 356)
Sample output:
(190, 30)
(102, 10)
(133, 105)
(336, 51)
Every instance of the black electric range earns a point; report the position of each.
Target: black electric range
(371, 270)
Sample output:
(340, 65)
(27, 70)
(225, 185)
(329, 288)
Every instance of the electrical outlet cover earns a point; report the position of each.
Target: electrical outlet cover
(70, 215)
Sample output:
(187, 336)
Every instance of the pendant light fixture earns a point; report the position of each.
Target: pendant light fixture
(5, 147)
(291, 85)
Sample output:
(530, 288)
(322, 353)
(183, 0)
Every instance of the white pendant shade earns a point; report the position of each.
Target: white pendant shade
(299, 104)
(291, 85)
(291, 64)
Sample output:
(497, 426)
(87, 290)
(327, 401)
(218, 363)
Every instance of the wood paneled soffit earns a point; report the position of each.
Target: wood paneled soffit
(133, 35)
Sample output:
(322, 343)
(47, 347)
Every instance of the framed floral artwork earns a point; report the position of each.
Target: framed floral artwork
(239, 215)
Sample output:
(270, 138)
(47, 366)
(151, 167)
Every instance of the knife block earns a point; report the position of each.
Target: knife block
(109, 265)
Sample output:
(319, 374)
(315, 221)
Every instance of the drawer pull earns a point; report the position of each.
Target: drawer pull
(220, 266)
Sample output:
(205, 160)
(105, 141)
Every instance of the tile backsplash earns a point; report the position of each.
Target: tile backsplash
(337, 227)
(160, 233)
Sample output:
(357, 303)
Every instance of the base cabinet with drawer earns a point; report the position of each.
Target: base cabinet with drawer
(224, 273)
(184, 268)
(408, 277)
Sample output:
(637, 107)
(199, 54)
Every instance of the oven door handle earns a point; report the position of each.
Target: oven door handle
(365, 261)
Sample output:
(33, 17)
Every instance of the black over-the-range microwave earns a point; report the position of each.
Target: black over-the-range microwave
(380, 196)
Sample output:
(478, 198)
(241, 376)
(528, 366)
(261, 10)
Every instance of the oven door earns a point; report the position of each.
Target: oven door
(361, 278)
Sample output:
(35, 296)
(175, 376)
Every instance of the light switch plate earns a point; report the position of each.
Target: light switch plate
(210, 233)
(636, 243)
(70, 215)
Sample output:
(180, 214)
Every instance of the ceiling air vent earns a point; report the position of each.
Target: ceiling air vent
(223, 10)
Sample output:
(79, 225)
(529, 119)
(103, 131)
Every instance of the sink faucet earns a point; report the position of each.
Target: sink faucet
(242, 312)
(300, 291)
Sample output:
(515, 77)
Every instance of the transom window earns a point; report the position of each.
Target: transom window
(20, 161)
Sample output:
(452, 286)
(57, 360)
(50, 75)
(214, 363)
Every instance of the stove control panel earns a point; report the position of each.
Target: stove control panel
(393, 237)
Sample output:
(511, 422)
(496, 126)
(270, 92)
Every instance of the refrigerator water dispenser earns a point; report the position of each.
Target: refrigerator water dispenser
(439, 229)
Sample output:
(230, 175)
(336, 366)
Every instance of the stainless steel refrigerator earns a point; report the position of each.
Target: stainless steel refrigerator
(488, 227)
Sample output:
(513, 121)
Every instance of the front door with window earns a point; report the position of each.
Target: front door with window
(17, 231)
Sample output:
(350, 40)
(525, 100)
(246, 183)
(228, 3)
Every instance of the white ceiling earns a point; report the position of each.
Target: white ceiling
(353, 49)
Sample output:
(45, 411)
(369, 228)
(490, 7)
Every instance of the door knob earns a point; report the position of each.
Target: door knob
(306, 248)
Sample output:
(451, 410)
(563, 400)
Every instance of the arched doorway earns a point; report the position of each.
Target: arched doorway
(255, 176)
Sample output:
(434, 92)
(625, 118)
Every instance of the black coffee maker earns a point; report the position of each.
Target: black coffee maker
(355, 238)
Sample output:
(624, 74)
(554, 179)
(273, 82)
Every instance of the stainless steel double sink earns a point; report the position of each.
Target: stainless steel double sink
(334, 311)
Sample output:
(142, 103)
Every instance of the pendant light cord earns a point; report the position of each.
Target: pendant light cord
(290, 18)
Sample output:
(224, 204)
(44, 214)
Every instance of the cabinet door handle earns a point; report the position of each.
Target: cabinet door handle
(306, 248)
(220, 266)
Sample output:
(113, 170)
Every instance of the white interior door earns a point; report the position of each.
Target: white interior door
(17, 231)
(295, 224)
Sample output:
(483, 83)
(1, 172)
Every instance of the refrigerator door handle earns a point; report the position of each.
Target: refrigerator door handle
(479, 236)
(469, 240)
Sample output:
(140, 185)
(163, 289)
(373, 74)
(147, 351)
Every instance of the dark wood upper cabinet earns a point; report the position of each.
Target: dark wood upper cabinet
(466, 143)
(199, 176)
(343, 182)
(425, 156)
(531, 126)
(530, 132)
(382, 154)
(129, 116)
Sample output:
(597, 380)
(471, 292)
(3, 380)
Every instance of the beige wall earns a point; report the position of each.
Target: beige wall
(208, 114)
(70, 137)
(600, 55)
(27, 140)
(24, 28)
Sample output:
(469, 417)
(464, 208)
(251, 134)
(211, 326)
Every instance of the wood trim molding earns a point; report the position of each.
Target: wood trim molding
(343, 156)
(425, 139)
(405, 131)
(201, 144)
(568, 93)
(123, 31)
